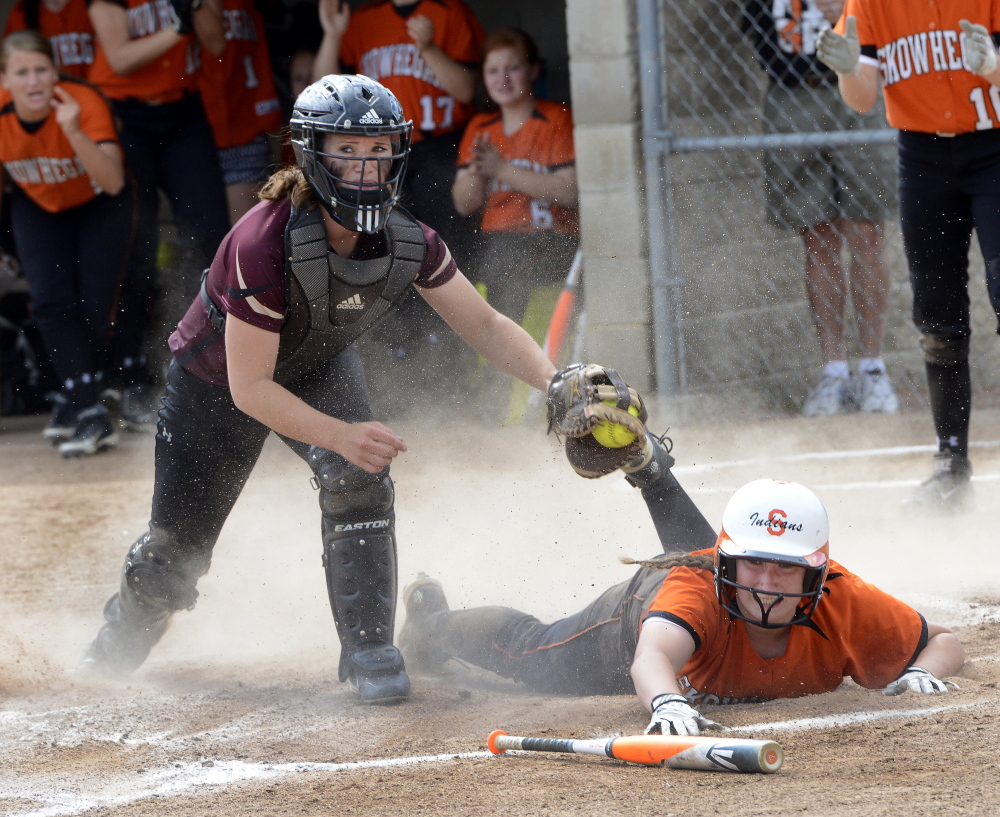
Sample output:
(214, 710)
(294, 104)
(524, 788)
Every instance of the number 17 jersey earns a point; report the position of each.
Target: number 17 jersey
(377, 45)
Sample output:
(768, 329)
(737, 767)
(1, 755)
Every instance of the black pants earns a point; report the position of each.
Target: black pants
(206, 447)
(168, 147)
(75, 263)
(947, 188)
(590, 652)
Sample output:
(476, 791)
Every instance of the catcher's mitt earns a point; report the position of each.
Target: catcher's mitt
(582, 396)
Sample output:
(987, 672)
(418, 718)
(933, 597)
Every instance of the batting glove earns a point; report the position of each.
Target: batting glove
(917, 679)
(673, 715)
(980, 53)
(841, 53)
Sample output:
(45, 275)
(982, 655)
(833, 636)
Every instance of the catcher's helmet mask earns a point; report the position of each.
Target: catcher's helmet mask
(780, 522)
(351, 105)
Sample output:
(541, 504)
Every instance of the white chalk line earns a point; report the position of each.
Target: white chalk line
(853, 718)
(182, 778)
(843, 454)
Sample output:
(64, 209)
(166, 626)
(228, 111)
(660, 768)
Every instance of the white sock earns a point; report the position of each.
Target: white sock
(836, 368)
(871, 364)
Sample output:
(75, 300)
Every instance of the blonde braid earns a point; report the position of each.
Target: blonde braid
(669, 560)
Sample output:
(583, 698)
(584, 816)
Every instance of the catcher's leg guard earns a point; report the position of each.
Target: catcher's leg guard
(359, 556)
(158, 578)
(678, 522)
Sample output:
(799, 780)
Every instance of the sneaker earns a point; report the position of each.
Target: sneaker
(378, 675)
(94, 432)
(831, 396)
(947, 490)
(422, 598)
(62, 423)
(139, 405)
(874, 393)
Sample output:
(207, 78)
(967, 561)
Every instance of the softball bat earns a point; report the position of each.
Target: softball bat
(675, 751)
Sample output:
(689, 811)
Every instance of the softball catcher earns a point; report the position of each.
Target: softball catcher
(268, 346)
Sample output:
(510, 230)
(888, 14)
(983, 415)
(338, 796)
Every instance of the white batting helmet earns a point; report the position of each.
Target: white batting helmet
(770, 520)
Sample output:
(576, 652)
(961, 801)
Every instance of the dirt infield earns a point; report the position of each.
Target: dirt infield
(238, 711)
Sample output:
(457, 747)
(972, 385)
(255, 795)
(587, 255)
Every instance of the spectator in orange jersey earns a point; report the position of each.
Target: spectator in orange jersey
(242, 104)
(147, 61)
(73, 219)
(66, 24)
(516, 169)
(939, 75)
(425, 52)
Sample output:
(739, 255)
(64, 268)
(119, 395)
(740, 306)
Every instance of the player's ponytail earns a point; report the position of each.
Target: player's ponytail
(669, 560)
(289, 182)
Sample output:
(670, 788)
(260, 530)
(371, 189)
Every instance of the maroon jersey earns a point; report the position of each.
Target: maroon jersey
(247, 279)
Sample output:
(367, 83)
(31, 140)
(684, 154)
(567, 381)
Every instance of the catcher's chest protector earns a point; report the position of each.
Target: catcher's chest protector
(332, 301)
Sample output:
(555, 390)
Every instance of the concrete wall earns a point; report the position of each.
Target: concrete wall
(604, 82)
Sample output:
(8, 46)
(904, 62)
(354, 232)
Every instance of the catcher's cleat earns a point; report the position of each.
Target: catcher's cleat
(948, 490)
(115, 653)
(139, 406)
(646, 469)
(422, 598)
(377, 673)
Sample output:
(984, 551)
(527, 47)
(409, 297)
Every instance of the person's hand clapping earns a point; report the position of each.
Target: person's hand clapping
(486, 158)
(334, 15)
(67, 111)
(371, 446)
(421, 30)
(841, 53)
(980, 53)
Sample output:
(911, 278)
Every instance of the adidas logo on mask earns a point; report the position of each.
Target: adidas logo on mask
(370, 118)
(354, 302)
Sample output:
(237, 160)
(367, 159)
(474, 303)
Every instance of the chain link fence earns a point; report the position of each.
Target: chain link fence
(754, 147)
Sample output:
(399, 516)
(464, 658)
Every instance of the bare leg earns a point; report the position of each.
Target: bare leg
(869, 282)
(826, 287)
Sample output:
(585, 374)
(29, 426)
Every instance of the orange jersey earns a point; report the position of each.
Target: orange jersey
(377, 45)
(918, 48)
(165, 79)
(237, 88)
(43, 164)
(69, 31)
(857, 631)
(544, 143)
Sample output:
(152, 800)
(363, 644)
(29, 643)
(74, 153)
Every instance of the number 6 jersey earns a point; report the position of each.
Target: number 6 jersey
(544, 144)
(918, 48)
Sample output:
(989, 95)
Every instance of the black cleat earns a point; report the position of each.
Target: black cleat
(378, 675)
(114, 653)
(94, 432)
(948, 490)
(62, 423)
